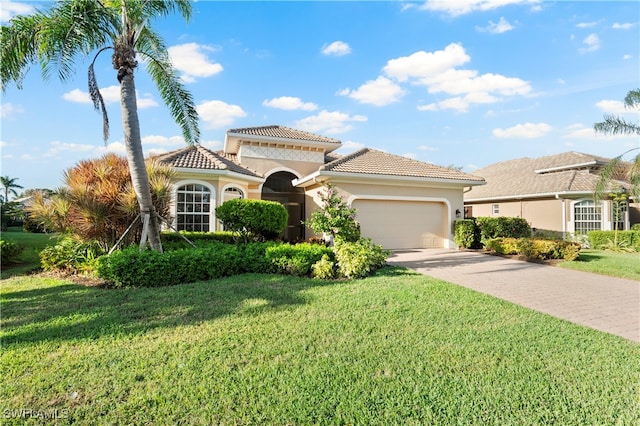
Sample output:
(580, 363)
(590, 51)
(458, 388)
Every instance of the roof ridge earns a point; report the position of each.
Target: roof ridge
(213, 156)
(346, 158)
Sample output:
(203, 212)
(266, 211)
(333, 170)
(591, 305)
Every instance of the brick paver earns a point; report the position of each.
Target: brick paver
(604, 303)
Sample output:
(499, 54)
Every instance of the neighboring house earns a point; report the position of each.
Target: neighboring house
(553, 193)
(401, 203)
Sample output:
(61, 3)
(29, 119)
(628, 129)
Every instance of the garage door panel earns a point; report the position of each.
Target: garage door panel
(402, 224)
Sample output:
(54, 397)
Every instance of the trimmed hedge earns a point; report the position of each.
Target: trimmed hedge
(601, 239)
(297, 259)
(503, 227)
(134, 268)
(535, 249)
(174, 240)
(9, 251)
(359, 259)
(466, 234)
(258, 220)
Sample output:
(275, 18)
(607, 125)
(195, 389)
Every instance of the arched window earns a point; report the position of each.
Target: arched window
(587, 216)
(232, 193)
(278, 188)
(193, 207)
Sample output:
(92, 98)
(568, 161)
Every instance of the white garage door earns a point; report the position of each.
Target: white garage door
(403, 224)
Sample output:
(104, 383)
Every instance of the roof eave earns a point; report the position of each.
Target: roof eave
(322, 176)
(218, 172)
(233, 141)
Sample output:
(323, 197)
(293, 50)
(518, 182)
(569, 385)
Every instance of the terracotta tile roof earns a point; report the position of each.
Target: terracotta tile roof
(199, 157)
(566, 172)
(374, 162)
(283, 132)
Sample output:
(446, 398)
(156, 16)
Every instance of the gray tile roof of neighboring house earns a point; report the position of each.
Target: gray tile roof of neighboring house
(374, 162)
(561, 173)
(199, 157)
(283, 132)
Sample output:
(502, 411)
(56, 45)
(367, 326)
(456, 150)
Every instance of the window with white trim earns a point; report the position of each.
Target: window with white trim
(587, 216)
(193, 207)
(232, 193)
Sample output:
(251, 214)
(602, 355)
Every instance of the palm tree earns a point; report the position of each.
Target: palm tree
(55, 38)
(614, 125)
(9, 185)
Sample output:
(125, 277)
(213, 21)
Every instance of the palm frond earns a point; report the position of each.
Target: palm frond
(96, 96)
(632, 100)
(614, 125)
(175, 95)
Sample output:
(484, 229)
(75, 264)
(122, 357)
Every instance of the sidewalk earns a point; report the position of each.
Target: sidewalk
(604, 303)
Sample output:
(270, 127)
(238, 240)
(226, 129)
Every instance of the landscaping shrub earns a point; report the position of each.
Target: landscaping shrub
(258, 220)
(635, 227)
(324, 269)
(9, 251)
(134, 268)
(71, 255)
(297, 259)
(602, 239)
(503, 227)
(466, 233)
(334, 218)
(358, 259)
(175, 240)
(534, 248)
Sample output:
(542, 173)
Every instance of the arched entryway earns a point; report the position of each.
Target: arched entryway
(278, 188)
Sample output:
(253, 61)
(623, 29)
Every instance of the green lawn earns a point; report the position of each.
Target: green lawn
(29, 259)
(397, 348)
(624, 265)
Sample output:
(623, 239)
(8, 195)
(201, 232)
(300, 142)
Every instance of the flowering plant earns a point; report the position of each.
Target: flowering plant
(334, 218)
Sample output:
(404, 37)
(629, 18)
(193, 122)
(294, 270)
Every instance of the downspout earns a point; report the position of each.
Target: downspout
(564, 215)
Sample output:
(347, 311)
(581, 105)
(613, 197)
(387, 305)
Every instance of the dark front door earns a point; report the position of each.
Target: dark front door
(278, 188)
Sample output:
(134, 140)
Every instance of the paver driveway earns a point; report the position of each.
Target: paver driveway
(607, 304)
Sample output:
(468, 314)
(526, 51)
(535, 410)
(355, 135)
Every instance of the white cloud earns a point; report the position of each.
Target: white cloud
(410, 155)
(462, 7)
(379, 92)
(9, 110)
(502, 26)
(627, 57)
(623, 26)
(523, 131)
(110, 95)
(9, 9)
(587, 24)
(425, 65)
(218, 114)
(330, 122)
(190, 58)
(212, 145)
(427, 148)
(289, 103)
(591, 43)
(56, 148)
(348, 147)
(163, 140)
(337, 48)
(615, 107)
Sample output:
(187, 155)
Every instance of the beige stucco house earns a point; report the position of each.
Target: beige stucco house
(401, 202)
(553, 193)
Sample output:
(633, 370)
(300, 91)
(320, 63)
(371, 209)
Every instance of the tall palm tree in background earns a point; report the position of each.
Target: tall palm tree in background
(56, 37)
(9, 185)
(614, 125)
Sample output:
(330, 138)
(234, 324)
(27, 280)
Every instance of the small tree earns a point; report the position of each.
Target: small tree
(334, 218)
(98, 201)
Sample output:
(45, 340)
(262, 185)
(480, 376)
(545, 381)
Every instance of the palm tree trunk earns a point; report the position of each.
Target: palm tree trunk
(135, 157)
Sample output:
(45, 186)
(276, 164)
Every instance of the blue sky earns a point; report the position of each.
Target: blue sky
(463, 83)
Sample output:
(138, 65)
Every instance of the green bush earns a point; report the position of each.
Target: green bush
(175, 240)
(134, 268)
(324, 269)
(466, 233)
(359, 259)
(503, 227)
(71, 255)
(635, 227)
(534, 248)
(258, 220)
(296, 259)
(9, 251)
(603, 239)
(334, 218)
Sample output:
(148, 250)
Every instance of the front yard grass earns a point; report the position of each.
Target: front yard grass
(29, 259)
(616, 264)
(396, 348)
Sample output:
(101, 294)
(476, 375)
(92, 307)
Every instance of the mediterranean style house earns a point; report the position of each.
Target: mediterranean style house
(553, 193)
(400, 202)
